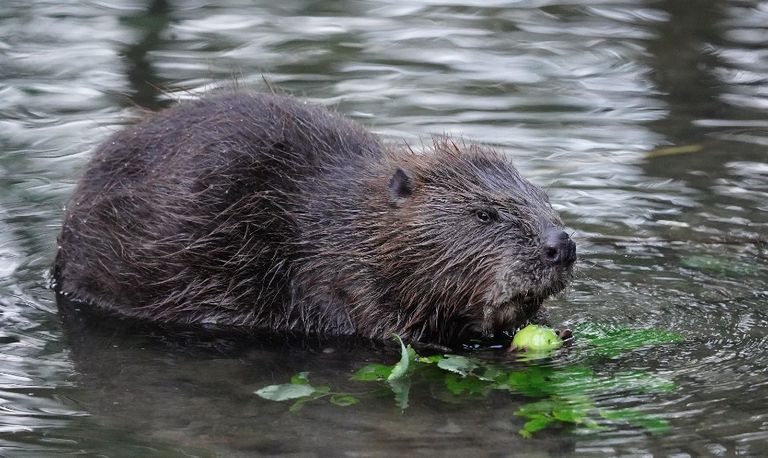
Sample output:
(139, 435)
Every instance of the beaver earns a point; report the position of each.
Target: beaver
(264, 211)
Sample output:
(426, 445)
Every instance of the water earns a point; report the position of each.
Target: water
(647, 121)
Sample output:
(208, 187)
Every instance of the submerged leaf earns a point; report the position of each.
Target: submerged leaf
(285, 392)
(492, 374)
(430, 359)
(612, 341)
(537, 423)
(302, 378)
(372, 372)
(652, 423)
(718, 266)
(567, 415)
(564, 395)
(299, 403)
(458, 364)
(322, 389)
(532, 409)
(458, 385)
(343, 400)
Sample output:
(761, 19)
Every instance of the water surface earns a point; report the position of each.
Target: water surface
(647, 121)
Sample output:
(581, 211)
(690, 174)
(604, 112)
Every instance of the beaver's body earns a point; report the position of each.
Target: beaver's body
(262, 211)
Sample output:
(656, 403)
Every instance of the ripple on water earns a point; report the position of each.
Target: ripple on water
(587, 97)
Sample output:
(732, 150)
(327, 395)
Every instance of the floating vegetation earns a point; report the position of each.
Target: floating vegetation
(719, 266)
(563, 395)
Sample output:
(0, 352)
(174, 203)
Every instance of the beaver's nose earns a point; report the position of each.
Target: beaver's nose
(558, 248)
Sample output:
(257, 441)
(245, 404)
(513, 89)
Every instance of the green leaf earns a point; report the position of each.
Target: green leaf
(656, 426)
(653, 424)
(430, 359)
(612, 341)
(300, 379)
(492, 374)
(573, 410)
(534, 381)
(298, 404)
(535, 409)
(454, 385)
(285, 392)
(567, 415)
(407, 357)
(343, 400)
(458, 385)
(371, 372)
(321, 390)
(591, 424)
(719, 266)
(458, 364)
(535, 424)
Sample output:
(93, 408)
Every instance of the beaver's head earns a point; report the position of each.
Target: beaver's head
(474, 246)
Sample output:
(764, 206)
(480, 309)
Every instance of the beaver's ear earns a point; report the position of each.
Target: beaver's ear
(400, 185)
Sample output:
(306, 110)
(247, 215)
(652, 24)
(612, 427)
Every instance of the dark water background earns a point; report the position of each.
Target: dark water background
(587, 96)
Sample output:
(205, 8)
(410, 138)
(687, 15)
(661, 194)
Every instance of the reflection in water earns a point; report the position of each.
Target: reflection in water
(145, 84)
(684, 71)
(578, 93)
(688, 76)
(198, 390)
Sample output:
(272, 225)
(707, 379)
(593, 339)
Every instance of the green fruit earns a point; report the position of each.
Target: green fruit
(536, 338)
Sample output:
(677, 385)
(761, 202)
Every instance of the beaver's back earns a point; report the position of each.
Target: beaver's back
(189, 215)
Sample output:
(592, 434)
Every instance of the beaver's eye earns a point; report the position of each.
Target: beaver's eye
(484, 216)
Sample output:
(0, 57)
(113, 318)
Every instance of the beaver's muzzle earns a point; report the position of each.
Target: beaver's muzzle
(558, 248)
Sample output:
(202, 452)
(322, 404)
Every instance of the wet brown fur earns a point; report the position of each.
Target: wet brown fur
(264, 211)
